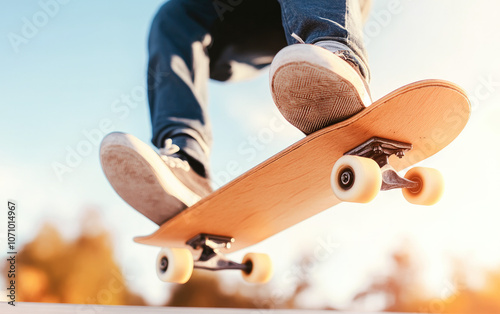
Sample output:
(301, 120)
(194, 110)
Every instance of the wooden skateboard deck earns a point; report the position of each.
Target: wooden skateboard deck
(294, 184)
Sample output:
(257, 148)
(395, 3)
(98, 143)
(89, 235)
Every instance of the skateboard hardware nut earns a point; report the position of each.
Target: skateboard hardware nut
(249, 266)
(164, 264)
(418, 187)
(346, 178)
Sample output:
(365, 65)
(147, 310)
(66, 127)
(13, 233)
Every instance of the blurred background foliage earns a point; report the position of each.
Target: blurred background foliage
(84, 271)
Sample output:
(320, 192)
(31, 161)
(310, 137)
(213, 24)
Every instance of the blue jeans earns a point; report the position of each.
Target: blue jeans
(193, 40)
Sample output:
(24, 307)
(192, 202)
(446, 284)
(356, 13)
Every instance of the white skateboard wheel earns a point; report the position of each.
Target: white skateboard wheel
(174, 265)
(356, 179)
(261, 268)
(430, 188)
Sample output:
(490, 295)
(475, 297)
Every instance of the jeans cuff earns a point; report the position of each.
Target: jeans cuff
(191, 147)
(346, 53)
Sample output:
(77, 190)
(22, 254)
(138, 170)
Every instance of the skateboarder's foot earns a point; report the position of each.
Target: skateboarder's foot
(157, 185)
(314, 87)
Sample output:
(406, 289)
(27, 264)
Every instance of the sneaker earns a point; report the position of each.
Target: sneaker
(157, 185)
(314, 87)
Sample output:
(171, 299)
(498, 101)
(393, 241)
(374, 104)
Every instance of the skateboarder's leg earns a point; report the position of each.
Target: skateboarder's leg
(178, 73)
(192, 40)
(326, 81)
(246, 39)
(161, 185)
(252, 32)
(328, 22)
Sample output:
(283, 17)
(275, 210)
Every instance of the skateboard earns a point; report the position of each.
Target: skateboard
(350, 161)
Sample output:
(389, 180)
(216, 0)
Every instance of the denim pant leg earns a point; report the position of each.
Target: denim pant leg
(178, 74)
(193, 40)
(318, 20)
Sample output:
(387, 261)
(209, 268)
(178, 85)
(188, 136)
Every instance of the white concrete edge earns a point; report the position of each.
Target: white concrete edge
(54, 308)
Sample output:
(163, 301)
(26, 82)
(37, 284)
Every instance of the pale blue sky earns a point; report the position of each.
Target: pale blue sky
(64, 81)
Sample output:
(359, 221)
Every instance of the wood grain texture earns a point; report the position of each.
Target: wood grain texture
(294, 184)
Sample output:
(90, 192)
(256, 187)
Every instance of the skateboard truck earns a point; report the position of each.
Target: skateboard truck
(177, 264)
(380, 149)
(211, 258)
(365, 170)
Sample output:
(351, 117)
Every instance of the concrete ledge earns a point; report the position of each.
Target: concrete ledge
(53, 308)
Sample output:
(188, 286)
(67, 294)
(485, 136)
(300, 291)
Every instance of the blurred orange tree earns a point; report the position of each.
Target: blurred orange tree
(83, 271)
(403, 290)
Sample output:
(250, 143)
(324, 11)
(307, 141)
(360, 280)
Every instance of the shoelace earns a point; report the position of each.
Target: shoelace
(167, 153)
(297, 38)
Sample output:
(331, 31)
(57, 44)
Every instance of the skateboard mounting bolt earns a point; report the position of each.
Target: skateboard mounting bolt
(164, 264)
(346, 178)
(377, 149)
(400, 153)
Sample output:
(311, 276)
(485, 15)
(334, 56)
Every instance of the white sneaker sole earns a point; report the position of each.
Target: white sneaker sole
(142, 179)
(314, 88)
